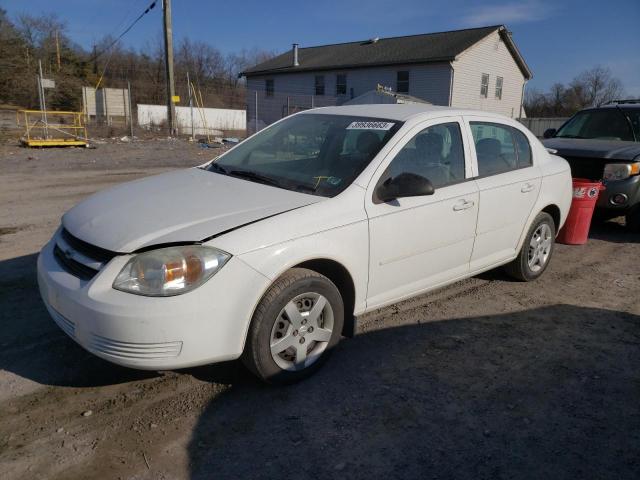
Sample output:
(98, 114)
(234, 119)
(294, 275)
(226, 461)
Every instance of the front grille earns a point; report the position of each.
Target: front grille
(80, 258)
(87, 249)
(73, 267)
(589, 168)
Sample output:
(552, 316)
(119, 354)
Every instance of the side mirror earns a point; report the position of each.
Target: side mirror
(404, 185)
(549, 132)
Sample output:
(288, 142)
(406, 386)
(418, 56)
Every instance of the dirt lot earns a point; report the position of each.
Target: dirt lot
(487, 379)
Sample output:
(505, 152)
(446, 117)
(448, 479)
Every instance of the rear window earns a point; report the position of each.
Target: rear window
(523, 148)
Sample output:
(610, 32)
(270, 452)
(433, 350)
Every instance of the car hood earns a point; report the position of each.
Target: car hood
(587, 148)
(181, 206)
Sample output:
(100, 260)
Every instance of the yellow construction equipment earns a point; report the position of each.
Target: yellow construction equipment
(47, 128)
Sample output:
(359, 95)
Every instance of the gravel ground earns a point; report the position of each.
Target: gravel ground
(488, 378)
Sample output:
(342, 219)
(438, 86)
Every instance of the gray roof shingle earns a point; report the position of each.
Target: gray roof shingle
(424, 48)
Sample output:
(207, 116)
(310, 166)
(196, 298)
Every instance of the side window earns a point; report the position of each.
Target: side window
(495, 148)
(268, 87)
(484, 85)
(341, 84)
(402, 82)
(499, 82)
(319, 85)
(523, 149)
(436, 153)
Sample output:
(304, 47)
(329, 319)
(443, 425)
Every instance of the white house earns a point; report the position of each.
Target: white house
(478, 68)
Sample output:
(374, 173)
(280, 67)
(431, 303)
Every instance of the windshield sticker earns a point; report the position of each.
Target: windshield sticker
(334, 181)
(370, 126)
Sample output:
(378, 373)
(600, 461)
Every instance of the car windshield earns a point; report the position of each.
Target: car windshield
(312, 153)
(604, 124)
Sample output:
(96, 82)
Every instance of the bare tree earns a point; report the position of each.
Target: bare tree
(31, 38)
(595, 87)
(591, 88)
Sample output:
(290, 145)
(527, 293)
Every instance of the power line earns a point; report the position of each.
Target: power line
(149, 8)
(105, 50)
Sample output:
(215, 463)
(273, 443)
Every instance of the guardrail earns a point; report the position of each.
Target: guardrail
(48, 128)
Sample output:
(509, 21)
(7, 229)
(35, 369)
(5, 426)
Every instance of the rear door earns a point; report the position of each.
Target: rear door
(508, 183)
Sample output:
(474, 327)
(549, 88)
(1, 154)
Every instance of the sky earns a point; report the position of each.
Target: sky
(558, 39)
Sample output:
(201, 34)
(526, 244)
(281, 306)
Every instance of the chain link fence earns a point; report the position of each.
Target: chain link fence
(264, 109)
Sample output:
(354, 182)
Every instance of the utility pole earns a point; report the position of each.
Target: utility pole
(43, 103)
(191, 107)
(58, 50)
(168, 52)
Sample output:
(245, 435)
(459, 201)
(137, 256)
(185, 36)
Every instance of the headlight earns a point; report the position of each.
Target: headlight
(170, 271)
(620, 171)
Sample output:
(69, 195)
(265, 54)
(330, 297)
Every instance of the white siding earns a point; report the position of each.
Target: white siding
(490, 55)
(429, 82)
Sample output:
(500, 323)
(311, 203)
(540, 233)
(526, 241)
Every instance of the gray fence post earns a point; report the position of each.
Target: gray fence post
(130, 109)
(256, 113)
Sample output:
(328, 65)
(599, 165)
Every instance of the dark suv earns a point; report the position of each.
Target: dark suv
(603, 143)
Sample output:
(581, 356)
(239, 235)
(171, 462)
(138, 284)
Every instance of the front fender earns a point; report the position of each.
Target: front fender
(347, 245)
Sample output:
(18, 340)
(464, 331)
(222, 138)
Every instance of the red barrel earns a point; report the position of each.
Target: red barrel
(576, 228)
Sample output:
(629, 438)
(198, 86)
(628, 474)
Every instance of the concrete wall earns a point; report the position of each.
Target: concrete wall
(105, 102)
(490, 55)
(206, 120)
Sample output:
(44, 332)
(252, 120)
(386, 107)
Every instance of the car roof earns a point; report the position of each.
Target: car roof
(613, 105)
(400, 112)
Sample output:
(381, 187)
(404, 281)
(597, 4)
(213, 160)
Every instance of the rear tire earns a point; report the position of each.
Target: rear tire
(536, 251)
(294, 328)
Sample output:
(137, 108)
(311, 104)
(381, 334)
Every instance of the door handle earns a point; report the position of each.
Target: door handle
(527, 187)
(463, 205)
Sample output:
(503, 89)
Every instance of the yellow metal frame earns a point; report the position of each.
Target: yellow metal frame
(38, 132)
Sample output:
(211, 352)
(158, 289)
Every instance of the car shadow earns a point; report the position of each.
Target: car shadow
(543, 393)
(612, 231)
(32, 346)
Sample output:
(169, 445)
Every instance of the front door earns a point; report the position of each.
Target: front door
(417, 243)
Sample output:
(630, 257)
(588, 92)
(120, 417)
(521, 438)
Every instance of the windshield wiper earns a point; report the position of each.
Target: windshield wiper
(218, 168)
(305, 188)
(255, 177)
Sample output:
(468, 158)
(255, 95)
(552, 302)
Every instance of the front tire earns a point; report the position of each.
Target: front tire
(294, 328)
(536, 251)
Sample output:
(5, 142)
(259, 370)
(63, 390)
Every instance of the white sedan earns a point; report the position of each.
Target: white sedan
(271, 251)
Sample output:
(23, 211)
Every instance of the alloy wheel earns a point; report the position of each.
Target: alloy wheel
(540, 247)
(302, 331)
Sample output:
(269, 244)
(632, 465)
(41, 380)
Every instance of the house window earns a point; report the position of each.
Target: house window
(319, 84)
(341, 84)
(484, 85)
(402, 82)
(499, 88)
(268, 87)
